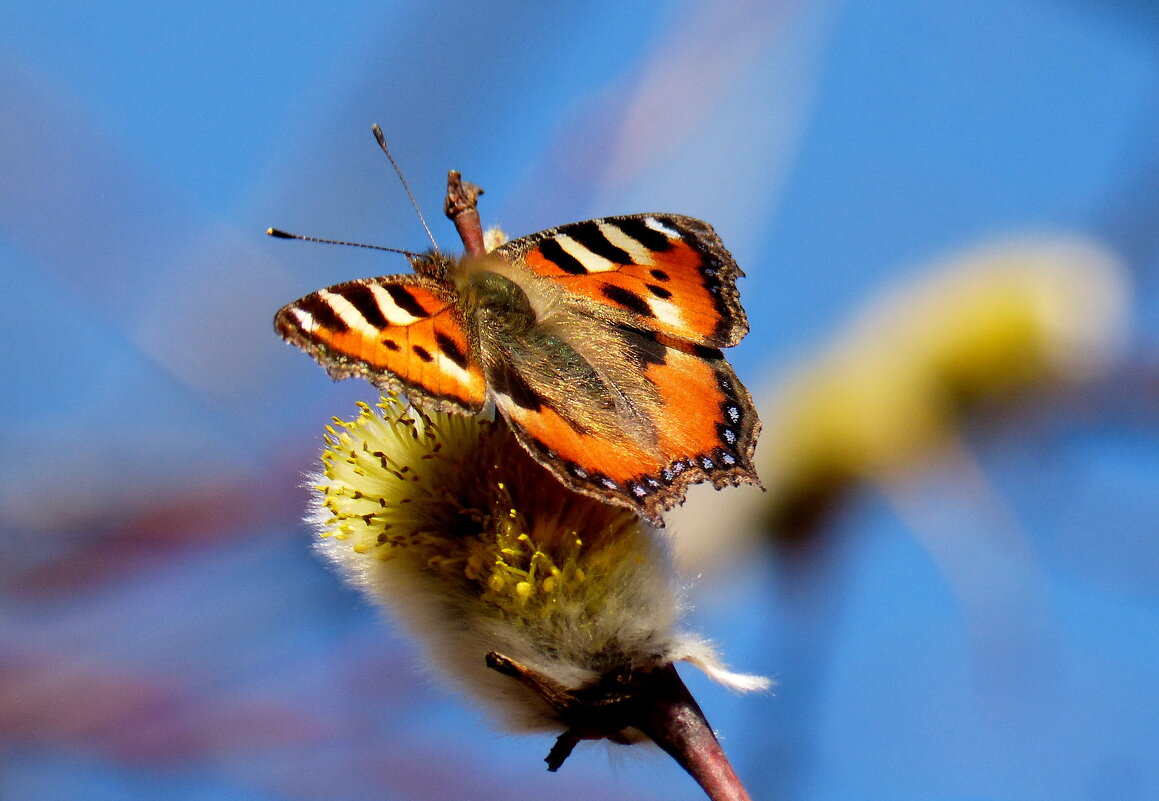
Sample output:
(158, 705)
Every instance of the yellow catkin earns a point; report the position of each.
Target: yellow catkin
(454, 495)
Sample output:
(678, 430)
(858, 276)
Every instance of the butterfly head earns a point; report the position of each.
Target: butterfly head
(433, 264)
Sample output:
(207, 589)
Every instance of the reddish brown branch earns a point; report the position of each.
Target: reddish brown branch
(675, 722)
(654, 701)
(462, 208)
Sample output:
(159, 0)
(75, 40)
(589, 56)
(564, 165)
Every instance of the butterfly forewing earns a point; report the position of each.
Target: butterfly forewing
(669, 273)
(401, 332)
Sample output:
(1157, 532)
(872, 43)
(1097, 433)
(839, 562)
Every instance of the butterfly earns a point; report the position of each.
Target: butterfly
(598, 342)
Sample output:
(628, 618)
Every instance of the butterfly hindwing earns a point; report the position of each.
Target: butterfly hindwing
(669, 273)
(402, 332)
(708, 433)
(708, 421)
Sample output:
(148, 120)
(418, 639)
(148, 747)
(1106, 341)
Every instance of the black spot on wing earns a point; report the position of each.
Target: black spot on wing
(390, 344)
(450, 348)
(636, 228)
(628, 299)
(660, 275)
(659, 291)
(510, 383)
(554, 252)
(403, 298)
(591, 237)
(323, 313)
(422, 353)
(362, 299)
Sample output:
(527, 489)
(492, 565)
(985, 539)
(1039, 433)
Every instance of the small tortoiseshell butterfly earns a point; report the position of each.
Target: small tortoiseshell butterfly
(598, 341)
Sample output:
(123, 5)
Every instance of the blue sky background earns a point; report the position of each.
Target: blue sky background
(165, 629)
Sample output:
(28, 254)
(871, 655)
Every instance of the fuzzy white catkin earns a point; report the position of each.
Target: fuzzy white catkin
(474, 548)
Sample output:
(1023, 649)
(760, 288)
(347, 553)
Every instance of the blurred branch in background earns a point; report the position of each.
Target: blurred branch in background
(723, 84)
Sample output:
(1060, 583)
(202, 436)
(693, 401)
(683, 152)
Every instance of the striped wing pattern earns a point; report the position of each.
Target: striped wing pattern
(402, 332)
(670, 272)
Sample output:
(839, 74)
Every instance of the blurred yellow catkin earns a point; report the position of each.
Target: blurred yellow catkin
(885, 398)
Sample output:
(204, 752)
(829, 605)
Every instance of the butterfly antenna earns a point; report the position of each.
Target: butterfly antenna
(382, 143)
(280, 234)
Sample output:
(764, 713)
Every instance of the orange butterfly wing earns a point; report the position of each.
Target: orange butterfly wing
(402, 332)
(707, 431)
(663, 283)
(669, 273)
